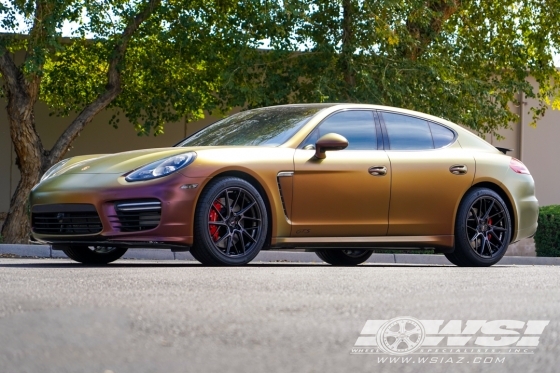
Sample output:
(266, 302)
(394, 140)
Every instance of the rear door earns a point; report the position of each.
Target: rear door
(340, 196)
(430, 174)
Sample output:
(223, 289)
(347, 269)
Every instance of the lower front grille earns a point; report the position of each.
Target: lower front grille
(65, 219)
(136, 215)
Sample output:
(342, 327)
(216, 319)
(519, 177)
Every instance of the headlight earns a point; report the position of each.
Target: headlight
(51, 171)
(161, 168)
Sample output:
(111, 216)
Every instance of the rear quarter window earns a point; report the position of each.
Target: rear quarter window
(442, 136)
(407, 133)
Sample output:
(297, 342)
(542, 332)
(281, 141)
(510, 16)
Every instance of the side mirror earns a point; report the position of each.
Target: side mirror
(330, 141)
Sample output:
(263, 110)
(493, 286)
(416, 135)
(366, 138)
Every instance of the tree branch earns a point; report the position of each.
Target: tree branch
(424, 32)
(10, 73)
(112, 89)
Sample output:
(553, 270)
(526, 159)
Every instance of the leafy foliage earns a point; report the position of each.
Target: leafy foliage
(465, 61)
(547, 238)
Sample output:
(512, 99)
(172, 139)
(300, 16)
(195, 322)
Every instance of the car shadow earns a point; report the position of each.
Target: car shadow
(129, 263)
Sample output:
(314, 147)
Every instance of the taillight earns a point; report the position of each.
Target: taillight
(518, 166)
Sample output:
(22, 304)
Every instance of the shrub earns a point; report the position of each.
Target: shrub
(547, 238)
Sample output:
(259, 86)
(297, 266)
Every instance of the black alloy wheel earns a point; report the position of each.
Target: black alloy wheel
(231, 223)
(483, 229)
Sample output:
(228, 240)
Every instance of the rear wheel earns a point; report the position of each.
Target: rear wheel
(344, 257)
(94, 254)
(231, 223)
(482, 229)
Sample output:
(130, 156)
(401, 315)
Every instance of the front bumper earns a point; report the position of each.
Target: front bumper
(104, 191)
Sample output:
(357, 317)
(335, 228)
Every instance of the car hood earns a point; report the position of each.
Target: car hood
(118, 163)
(122, 163)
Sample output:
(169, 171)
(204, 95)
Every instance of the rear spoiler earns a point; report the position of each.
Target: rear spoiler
(503, 150)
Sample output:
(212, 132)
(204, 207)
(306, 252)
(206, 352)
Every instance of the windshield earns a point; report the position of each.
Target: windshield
(271, 126)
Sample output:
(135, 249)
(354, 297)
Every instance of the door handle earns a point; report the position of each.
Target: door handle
(458, 169)
(378, 170)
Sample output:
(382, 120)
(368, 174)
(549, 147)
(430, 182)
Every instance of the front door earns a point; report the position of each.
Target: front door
(348, 192)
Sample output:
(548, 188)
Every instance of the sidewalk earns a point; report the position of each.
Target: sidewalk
(45, 251)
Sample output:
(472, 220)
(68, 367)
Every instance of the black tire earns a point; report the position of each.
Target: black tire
(344, 257)
(453, 259)
(94, 255)
(231, 223)
(482, 229)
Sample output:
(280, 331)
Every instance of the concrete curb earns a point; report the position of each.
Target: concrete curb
(45, 251)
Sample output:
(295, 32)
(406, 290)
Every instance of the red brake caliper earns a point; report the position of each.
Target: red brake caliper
(489, 224)
(213, 216)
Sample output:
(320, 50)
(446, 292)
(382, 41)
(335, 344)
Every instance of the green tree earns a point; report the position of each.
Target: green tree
(155, 61)
(463, 60)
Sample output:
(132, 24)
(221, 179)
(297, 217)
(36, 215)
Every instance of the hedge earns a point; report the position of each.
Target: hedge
(547, 238)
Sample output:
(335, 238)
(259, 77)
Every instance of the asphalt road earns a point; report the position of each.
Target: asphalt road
(145, 316)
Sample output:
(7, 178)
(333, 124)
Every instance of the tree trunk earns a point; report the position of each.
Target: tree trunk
(22, 93)
(30, 161)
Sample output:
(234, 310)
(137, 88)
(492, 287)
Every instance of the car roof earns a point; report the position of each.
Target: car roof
(469, 138)
(337, 105)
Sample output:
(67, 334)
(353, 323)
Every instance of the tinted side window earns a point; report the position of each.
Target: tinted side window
(407, 133)
(356, 125)
(442, 136)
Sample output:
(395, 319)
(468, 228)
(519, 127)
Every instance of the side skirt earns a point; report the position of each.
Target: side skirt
(441, 243)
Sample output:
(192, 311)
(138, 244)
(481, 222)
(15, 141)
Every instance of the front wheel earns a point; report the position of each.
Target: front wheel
(482, 229)
(344, 257)
(94, 254)
(231, 223)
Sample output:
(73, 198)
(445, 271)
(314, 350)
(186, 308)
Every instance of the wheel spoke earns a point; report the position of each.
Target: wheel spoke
(222, 238)
(229, 244)
(240, 235)
(248, 235)
(471, 228)
(239, 193)
(408, 342)
(498, 229)
(497, 247)
(498, 221)
(482, 244)
(396, 344)
(487, 245)
(416, 330)
(250, 218)
(475, 236)
(390, 333)
(228, 207)
(246, 208)
(488, 211)
(221, 223)
(217, 210)
(498, 213)
(402, 326)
